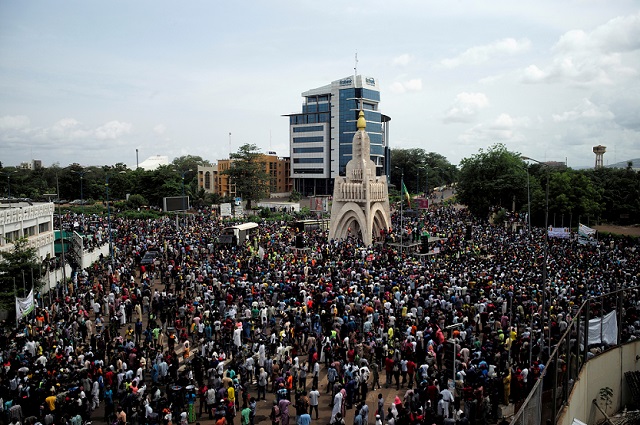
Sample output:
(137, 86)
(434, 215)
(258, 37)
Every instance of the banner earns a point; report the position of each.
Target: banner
(607, 327)
(585, 231)
(24, 306)
(559, 232)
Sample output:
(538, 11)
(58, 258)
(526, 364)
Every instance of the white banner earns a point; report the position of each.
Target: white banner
(24, 306)
(585, 231)
(559, 232)
(607, 327)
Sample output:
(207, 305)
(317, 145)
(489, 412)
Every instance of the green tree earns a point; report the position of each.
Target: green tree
(421, 167)
(22, 267)
(495, 177)
(136, 201)
(248, 174)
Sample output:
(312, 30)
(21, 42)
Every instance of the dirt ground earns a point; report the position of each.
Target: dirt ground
(619, 230)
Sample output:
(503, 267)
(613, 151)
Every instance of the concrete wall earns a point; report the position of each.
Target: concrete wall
(88, 258)
(605, 370)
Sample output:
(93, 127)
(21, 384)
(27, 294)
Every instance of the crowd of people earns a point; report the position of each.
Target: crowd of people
(209, 331)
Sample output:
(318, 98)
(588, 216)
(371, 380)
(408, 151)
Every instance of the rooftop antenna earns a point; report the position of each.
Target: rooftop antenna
(355, 68)
(229, 145)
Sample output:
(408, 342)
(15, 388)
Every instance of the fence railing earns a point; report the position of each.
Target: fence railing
(567, 356)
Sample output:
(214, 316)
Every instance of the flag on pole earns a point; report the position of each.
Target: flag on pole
(24, 306)
(405, 193)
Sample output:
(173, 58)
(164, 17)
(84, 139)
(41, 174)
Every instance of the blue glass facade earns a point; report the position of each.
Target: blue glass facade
(350, 102)
(322, 133)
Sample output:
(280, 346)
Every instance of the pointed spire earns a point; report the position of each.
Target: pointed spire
(362, 123)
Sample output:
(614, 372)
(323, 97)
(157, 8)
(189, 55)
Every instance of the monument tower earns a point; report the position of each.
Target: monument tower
(360, 198)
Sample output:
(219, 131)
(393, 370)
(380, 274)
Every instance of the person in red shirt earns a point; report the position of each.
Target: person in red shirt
(388, 368)
(411, 371)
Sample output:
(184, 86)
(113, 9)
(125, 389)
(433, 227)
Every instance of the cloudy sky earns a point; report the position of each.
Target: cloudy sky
(92, 81)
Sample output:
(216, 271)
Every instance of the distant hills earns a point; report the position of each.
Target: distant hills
(621, 164)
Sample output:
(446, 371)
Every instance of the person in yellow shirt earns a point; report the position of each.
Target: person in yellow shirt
(51, 401)
(231, 393)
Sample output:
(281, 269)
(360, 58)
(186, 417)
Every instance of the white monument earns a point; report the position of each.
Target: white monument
(360, 199)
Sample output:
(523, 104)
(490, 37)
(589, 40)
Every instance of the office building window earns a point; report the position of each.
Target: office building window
(308, 171)
(319, 149)
(307, 160)
(308, 139)
(307, 129)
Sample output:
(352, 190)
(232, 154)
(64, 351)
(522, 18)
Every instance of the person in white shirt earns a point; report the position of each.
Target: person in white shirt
(314, 396)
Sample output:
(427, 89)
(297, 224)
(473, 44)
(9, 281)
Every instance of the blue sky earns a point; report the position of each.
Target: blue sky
(92, 81)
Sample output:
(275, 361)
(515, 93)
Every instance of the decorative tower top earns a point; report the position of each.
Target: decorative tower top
(362, 123)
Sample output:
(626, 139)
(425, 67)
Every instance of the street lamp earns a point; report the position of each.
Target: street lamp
(545, 252)
(184, 206)
(62, 239)
(109, 219)
(401, 210)
(81, 174)
(8, 174)
(453, 341)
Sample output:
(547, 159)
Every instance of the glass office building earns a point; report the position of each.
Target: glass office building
(320, 136)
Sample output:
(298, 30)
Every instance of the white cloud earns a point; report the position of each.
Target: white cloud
(112, 130)
(466, 107)
(160, 129)
(402, 60)
(480, 54)
(596, 57)
(67, 131)
(504, 128)
(14, 122)
(412, 85)
(585, 110)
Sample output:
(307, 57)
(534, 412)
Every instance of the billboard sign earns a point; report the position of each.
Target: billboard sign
(225, 210)
(176, 203)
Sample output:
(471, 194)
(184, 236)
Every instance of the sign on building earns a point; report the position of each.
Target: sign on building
(225, 210)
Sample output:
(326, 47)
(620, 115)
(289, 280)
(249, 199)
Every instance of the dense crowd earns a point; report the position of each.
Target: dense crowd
(208, 331)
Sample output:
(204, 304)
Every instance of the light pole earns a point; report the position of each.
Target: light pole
(109, 221)
(64, 271)
(401, 210)
(528, 203)
(184, 206)
(453, 342)
(81, 174)
(8, 174)
(545, 253)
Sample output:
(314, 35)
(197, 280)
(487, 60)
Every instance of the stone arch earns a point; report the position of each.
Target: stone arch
(379, 220)
(349, 213)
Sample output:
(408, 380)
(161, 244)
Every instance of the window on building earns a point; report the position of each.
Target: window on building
(308, 160)
(207, 180)
(318, 149)
(12, 236)
(43, 227)
(308, 139)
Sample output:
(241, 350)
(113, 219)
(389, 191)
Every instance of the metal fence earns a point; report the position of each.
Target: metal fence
(567, 356)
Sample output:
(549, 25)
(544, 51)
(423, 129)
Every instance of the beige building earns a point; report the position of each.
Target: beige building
(207, 178)
(278, 169)
(33, 221)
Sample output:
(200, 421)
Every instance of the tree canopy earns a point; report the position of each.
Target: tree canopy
(19, 267)
(420, 169)
(247, 173)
